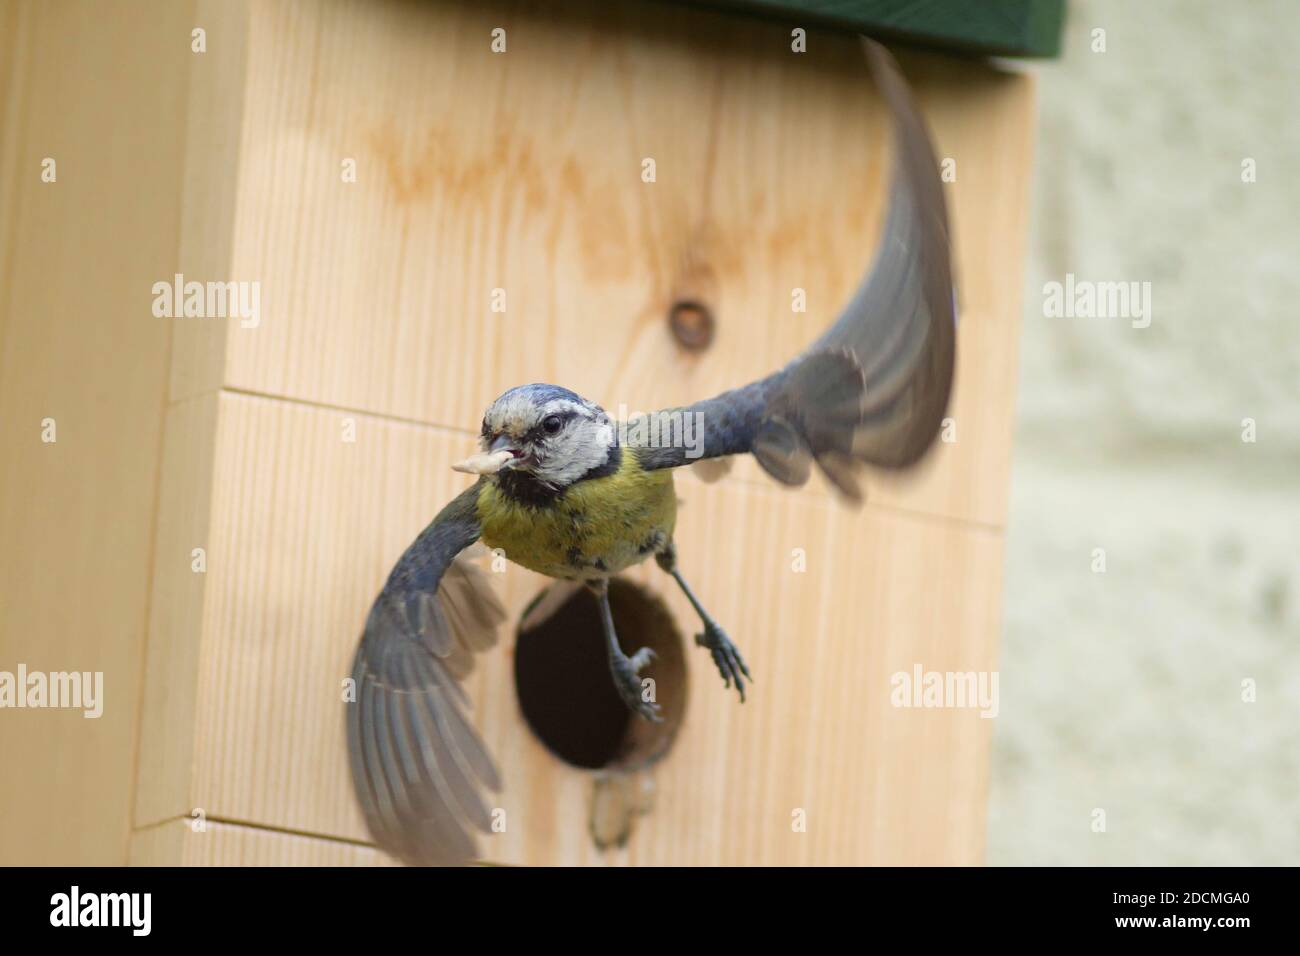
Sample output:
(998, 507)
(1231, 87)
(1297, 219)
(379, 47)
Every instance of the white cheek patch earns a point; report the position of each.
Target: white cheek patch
(582, 446)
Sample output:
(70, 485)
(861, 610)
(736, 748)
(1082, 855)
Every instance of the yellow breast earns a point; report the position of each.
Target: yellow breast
(596, 528)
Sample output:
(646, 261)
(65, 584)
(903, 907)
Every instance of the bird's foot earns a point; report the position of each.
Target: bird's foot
(625, 671)
(730, 664)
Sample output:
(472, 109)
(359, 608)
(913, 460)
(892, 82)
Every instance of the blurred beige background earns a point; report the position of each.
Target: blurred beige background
(1123, 690)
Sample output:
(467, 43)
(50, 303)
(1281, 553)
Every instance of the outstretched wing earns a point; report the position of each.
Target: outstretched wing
(418, 766)
(874, 387)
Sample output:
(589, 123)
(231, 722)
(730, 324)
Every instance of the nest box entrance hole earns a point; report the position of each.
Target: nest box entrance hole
(564, 686)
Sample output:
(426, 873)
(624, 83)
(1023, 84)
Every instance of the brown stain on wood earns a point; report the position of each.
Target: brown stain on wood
(433, 164)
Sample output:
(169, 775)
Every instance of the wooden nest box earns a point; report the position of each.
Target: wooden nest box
(430, 222)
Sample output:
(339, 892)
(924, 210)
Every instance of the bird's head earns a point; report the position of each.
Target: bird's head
(546, 432)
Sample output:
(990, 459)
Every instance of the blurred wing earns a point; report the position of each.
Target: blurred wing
(874, 387)
(901, 325)
(418, 765)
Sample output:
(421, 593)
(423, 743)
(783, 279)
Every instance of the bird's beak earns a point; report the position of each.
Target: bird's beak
(500, 455)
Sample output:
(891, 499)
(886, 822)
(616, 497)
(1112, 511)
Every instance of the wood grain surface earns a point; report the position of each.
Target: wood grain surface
(104, 98)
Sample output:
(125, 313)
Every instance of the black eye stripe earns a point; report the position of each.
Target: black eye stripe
(539, 431)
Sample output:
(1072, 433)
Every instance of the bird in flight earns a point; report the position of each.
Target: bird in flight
(566, 491)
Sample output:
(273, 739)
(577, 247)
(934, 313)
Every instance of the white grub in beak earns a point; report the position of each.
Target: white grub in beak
(485, 462)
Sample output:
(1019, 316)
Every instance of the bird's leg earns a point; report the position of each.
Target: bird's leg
(622, 668)
(725, 655)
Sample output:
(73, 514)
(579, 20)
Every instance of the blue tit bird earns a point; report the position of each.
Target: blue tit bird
(568, 492)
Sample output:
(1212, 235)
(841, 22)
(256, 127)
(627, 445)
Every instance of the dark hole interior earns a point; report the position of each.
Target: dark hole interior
(565, 691)
(692, 324)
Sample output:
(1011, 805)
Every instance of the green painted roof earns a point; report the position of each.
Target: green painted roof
(990, 27)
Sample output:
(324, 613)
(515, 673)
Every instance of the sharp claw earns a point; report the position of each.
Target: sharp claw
(642, 658)
(629, 687)
(650, 712)
(725, 657)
